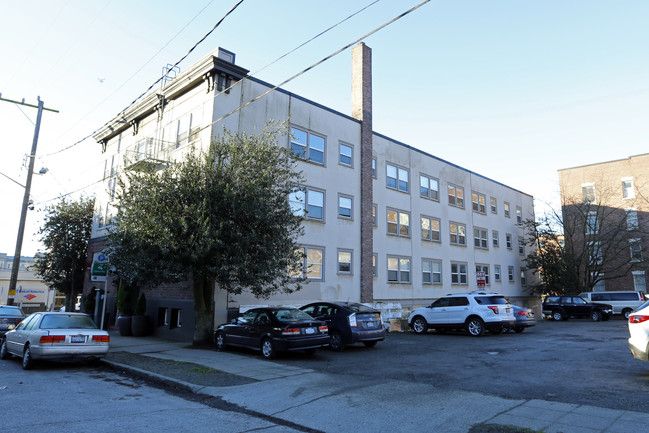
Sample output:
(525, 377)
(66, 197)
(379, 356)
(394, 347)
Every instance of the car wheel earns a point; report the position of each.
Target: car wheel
(219, 341)
(519, 329)
(268, 349)
(419, 325)
(558, 315)
(370, 343)
(626, 312)
(336, 342)
(475, 326)
(596, 316)
(4, 353)
(28, 362)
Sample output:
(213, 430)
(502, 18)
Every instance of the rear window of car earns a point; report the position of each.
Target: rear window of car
(360, 308)
(291, 315)
(491, 300)
(67, 322)
(552, 299)
(9, 311)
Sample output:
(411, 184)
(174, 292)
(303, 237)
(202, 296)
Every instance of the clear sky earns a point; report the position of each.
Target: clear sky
(511, 89)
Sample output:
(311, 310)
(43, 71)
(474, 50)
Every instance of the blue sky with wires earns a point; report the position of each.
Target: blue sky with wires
(511, 89)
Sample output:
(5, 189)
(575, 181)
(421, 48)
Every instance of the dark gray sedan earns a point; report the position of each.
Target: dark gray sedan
(525, 318)
(10, 317)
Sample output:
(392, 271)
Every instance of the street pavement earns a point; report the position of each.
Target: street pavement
(329, 403)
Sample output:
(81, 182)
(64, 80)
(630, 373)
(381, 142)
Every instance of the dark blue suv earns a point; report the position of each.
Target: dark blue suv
(348, 322)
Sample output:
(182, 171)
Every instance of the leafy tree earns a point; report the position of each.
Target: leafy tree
(65, 234)
(219, 216)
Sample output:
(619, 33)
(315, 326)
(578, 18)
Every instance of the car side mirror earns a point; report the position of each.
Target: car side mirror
(233, 321)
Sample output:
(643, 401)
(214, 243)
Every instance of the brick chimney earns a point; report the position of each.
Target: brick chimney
(362, 110)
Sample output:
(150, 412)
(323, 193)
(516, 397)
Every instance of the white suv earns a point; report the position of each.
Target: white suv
(474, 312)
(639, 332)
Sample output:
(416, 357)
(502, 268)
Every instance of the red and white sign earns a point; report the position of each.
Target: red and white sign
(482, 279)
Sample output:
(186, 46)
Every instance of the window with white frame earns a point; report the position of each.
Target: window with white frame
(631, 219)
(431, 271)
(312, 263)
(458, 273)
(307, 145)
(592, 224)
(494, 238)
(398, 269)
(345, 206)
(344, 261)
(429, 187)
(374, 215)
(374, 168)
(479, 202)
(635, 246)
(523, 277)
(519, 215)
(494, 205)
(510, 273)
(485, 269)
(506, 209)
(588, 192)
(521, 246)
(398, 223)
(455, 195)
(639, 281)
(627, 188)
(430, 228)
(397, 178)
(595, 252)
(480, 238)
(457, 233)
(374, 260)
(308, 203)
(497, 273)
(508, 240)
(345, 154)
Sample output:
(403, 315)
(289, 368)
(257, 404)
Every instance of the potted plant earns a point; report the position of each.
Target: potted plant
(124, 309)
(140, 323)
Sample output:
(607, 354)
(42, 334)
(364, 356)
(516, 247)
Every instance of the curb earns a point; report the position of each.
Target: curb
(196, 389)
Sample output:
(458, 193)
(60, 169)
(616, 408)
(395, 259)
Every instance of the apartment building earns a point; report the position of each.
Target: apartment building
(605, 210)
(385, 223)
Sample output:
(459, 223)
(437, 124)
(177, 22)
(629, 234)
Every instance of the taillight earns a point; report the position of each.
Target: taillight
(352, 320)
(522, 313)
(101, 338)
(493, 308)
(323, 329)
(48, 339)
(291, 331)
(637, 318)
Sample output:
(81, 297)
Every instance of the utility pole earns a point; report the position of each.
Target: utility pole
(23, 215)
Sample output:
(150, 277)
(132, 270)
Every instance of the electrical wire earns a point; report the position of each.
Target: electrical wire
(314, 65)
(152, 85)
(139, 70)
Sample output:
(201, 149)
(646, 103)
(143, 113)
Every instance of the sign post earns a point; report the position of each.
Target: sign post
(482, 279)
(99, 272)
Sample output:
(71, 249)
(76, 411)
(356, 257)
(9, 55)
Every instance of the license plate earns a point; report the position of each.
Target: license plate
(370, 324)
(508, 310)
(77, 339)
(309, 330)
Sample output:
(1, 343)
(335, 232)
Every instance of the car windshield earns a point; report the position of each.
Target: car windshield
(491, 300)
(290, 315)
(360, 308)
(67, 322)
(9, 311)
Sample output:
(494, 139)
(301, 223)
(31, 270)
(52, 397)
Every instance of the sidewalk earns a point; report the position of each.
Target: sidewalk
(329, 403)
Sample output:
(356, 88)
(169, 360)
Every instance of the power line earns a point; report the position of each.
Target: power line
(152, 85)
(140, 69)
(315, 64)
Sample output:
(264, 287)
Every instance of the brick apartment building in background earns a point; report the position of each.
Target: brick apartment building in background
(611, 199)
(385, 223)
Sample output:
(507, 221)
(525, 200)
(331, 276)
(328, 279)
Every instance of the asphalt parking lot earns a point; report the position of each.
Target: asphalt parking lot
(577, 361)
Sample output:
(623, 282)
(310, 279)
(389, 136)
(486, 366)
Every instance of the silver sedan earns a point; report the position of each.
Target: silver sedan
(49, 335)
